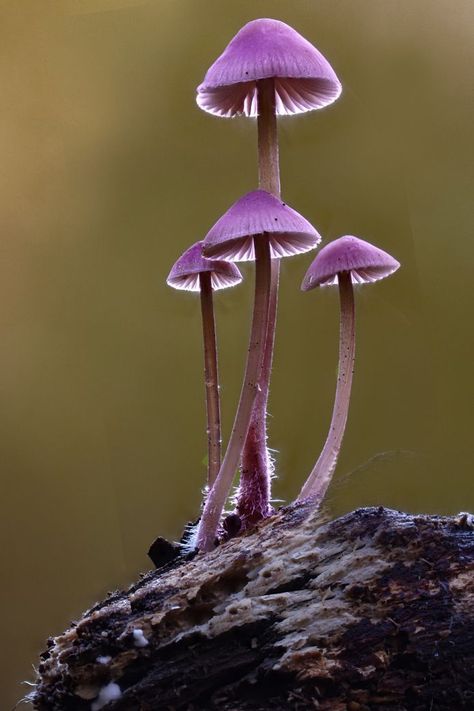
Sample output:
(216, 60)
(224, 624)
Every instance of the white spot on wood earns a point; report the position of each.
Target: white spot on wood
(110, 692)
(139, 638)
(103, 660)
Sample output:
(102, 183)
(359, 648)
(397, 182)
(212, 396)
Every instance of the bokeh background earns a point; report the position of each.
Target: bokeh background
(108, 172)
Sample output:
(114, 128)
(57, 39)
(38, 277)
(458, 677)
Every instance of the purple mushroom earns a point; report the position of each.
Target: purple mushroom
(268, 49)
(346, 261)
(267, 69)
(260, 227)
(193, 272)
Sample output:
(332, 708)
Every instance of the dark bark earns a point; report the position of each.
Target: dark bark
(374, 610)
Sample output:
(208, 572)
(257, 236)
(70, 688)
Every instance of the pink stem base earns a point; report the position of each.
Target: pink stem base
(255, 474)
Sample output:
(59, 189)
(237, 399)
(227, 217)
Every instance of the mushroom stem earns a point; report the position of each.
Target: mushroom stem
(318, 481)
(253, 498)
(207, 530)
(211, 378)
(268, 162)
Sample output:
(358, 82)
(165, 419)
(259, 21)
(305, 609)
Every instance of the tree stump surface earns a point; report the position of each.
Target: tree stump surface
(374, 610)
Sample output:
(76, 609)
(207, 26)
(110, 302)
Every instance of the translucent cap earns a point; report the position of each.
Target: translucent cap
(349, 254)
(258, 213)
(186, 270)
(304, 79)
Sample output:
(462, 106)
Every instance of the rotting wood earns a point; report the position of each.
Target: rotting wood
(374, 610)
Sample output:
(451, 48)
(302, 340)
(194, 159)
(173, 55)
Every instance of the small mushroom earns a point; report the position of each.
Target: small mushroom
(267, 69)
(346, 261)
(263, 49)
(193, 272)
(257, 227)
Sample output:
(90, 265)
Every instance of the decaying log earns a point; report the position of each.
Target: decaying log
(374, 610)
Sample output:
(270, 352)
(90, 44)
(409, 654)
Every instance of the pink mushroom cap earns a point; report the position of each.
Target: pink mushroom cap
(304, 79)
(259, 213)
(349, 254)
(186, 270)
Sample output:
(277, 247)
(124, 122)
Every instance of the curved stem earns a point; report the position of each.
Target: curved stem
(207, 530)
(318, 481)
(211, 379)
(253, 498)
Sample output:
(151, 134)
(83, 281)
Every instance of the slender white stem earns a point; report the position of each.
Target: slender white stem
(318, 481)
(211, 379)
(207, 530)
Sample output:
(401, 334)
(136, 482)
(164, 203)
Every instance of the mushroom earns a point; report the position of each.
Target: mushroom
(193, 272)
(257, 227)
(268, 49)
(346, 261)
(267, 69)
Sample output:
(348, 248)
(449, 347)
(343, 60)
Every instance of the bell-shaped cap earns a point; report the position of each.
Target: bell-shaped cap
(186, 270)
(349, 254)
(304, 79)
(255, 214)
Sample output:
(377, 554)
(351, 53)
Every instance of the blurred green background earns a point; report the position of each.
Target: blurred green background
(108, 172)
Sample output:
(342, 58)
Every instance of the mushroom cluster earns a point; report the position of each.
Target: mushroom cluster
(268, 69)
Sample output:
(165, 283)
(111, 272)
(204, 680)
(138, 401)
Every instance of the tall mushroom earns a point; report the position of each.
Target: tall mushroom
(346, 261)
(267, 69)
(193, 272)
(257, 227)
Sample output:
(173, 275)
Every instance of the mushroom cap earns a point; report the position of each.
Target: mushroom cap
(259, 213)
(349, 254)
(186, 270)
(304, 79)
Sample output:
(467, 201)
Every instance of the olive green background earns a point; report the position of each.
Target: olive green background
(108, 172)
